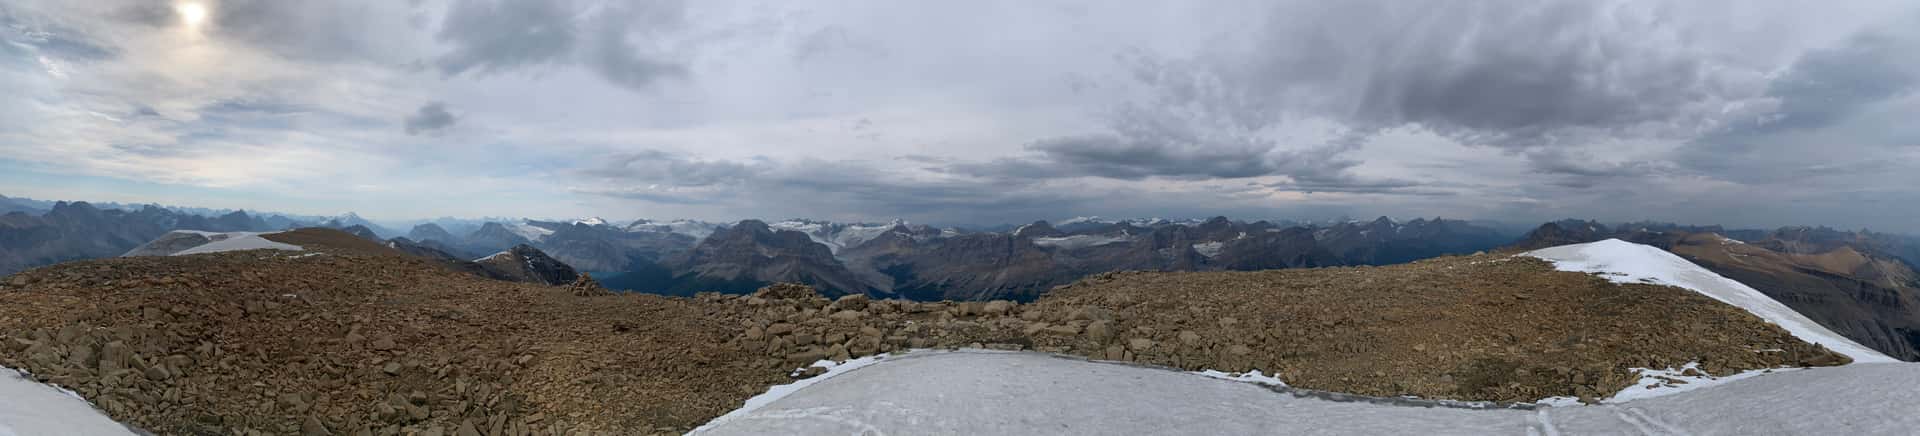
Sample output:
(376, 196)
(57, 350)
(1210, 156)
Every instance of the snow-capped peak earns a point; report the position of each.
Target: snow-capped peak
(592, 221)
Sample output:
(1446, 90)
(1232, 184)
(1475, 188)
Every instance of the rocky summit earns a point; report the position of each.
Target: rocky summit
(334, 341)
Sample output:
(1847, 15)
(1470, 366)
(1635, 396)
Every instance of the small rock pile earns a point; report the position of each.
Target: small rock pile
(586, 286)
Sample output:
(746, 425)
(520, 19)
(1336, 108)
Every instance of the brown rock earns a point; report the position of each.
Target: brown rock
(847, 315)
(786, 291)
(780, 328)
(1032, 315)
(313, 427)
(384, 344)
(467, 429)
(851, 302)
(1100, 331)
(1091, 313)
(1139, 344)
(996, 307)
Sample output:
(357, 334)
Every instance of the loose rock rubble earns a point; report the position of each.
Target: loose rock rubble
(586, 286)
(346, 343)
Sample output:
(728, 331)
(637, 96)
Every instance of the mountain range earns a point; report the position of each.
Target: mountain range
(924, 262)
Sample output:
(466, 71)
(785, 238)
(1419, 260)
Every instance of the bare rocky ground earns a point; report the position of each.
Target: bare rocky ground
(355, 342)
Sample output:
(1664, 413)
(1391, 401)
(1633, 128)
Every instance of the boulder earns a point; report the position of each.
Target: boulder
(851, 302)
(787, 291)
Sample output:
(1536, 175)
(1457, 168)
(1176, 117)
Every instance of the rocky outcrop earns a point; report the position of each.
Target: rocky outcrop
(524, 263)
(601, 247)
(586, 286)
(492, 237)
(750, 254)
(431, 232)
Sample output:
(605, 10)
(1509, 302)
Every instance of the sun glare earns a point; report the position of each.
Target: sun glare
(192, 13)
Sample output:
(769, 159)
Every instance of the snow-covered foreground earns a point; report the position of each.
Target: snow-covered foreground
(981, 392)
(1626, 262)
(28, 408)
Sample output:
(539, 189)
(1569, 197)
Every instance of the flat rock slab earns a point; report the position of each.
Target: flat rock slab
(975, 392)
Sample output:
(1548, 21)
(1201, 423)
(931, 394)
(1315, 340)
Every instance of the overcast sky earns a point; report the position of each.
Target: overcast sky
(1746, 113)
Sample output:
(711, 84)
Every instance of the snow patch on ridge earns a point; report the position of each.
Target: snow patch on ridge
(1076, 242)
(235, 241)
(1211, 249)
(1626, 262)
(529, 231)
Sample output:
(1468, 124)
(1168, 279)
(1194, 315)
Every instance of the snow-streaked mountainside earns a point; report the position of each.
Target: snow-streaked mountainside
(1626, 262)
(696, 229)
(1075, 242)
(28, 408)
(527, 229)
(837, 236)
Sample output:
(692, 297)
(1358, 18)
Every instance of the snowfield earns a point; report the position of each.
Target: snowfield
(235, 241)
(987, 392)
(1626, 262)
(29, 408)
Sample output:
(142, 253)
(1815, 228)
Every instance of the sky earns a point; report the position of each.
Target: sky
(1743, 113)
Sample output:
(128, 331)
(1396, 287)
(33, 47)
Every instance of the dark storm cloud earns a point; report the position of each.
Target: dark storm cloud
(1509, 74)
(431, 117)
(1115, 157)
(492, 36)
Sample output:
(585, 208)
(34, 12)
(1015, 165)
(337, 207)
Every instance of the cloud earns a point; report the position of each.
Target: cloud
(656, 167)
(430, 118)
(1481, 72)
(613, 53)
(1844, 102)
(491, 36)
(494, 36)
(21, 31)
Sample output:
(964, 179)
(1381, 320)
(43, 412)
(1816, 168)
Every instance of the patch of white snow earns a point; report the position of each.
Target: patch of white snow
(782, 391)
(1253, 376)
(1661, 382)
(236, 241)
(1210, 249)
(29, 408)
(1076, 242)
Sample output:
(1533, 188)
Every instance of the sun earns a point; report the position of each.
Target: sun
(191, 13)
